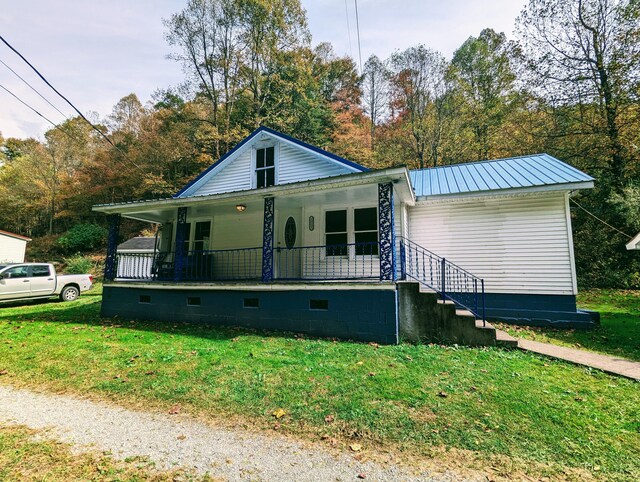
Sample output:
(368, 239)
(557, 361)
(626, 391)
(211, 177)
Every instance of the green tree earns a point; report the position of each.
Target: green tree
(483, 77)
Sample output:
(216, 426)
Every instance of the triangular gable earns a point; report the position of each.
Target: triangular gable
(298, 161)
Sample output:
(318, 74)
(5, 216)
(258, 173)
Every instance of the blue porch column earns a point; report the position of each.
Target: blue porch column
(267, 239)
(387, 232)
(110, 263)
(179, 257)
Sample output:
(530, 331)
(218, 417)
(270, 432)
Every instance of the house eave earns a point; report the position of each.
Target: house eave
(493, 193)
(634, 244)
(399, 176)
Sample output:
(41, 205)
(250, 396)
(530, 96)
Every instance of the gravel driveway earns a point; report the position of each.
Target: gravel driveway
(172, 441)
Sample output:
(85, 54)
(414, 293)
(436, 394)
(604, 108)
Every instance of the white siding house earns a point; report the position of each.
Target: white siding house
(330, 240)
(12, 247)
(520, 244)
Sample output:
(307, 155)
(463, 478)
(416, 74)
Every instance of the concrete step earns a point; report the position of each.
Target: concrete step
(506, 340)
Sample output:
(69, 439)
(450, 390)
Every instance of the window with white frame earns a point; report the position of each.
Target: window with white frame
(353, 225)
(336, 236)
(365, 228)
(265, 167)
(197, 238)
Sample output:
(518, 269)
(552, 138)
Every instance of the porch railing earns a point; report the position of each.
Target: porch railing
(340, 262)
(442, 276)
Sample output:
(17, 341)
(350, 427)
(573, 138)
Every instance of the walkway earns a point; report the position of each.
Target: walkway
(175, 441)
(606, 363)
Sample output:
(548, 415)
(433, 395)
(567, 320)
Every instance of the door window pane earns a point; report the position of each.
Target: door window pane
(40, 270)
(16, 272)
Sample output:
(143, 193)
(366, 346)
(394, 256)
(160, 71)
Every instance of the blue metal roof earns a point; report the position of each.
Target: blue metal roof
(260, 129)
(511, 173)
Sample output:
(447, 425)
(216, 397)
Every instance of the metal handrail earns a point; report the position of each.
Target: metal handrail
(447, 279)
(350, 261)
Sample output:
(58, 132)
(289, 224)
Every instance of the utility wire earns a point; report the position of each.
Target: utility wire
(601, 220)
(34, 89)
(358, 31)
(102, 134)
(27, 105)
(62, 129)
(346, 9)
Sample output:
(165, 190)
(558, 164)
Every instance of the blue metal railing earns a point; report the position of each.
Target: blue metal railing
(442, 276)
(335, 262)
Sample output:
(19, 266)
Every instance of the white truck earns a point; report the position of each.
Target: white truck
(20, 281)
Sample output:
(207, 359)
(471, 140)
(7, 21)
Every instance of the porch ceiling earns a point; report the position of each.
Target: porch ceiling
(344, 190)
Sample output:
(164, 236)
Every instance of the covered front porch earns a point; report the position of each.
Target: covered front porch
(333, 229)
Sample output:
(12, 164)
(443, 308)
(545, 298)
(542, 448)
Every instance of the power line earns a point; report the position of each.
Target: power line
(34, 89)
(601, 220)
(62, 129)
(27, 105)
(358, 31)
(102, 134)
(346, 9)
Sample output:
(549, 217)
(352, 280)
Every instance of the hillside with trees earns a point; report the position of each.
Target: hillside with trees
(568, 84)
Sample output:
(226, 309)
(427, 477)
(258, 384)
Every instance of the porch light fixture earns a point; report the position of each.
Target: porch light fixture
(311, 223)
(241, 208)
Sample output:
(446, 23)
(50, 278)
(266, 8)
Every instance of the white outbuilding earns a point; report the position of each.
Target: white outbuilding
(12, 247)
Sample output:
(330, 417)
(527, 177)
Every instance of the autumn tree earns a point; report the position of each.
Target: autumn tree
(421, 94)
(584, 60)
(375, 99)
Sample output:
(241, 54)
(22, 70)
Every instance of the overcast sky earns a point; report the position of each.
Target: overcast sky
(96, 52)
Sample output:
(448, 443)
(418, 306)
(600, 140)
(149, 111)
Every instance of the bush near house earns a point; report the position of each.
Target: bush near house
(83, 238)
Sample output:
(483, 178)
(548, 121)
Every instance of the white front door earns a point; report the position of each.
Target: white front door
(287, 248)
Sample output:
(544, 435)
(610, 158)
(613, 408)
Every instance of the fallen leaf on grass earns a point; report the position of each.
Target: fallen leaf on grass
(279, 413)
(4, 372)
(181, 437)
(175, 410)
(329, 418)
(443, 394)
(360, 363)
(355, 447)
(372, 374)
(362, 475)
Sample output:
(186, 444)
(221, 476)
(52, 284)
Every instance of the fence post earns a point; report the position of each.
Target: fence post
(443, 278)
(475, 294)
(484, 316)
(403, 261)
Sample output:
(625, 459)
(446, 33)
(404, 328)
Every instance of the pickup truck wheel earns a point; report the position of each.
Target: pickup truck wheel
(69, 293)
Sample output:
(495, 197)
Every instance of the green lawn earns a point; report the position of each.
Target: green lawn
(618, 333)
(508, 412)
